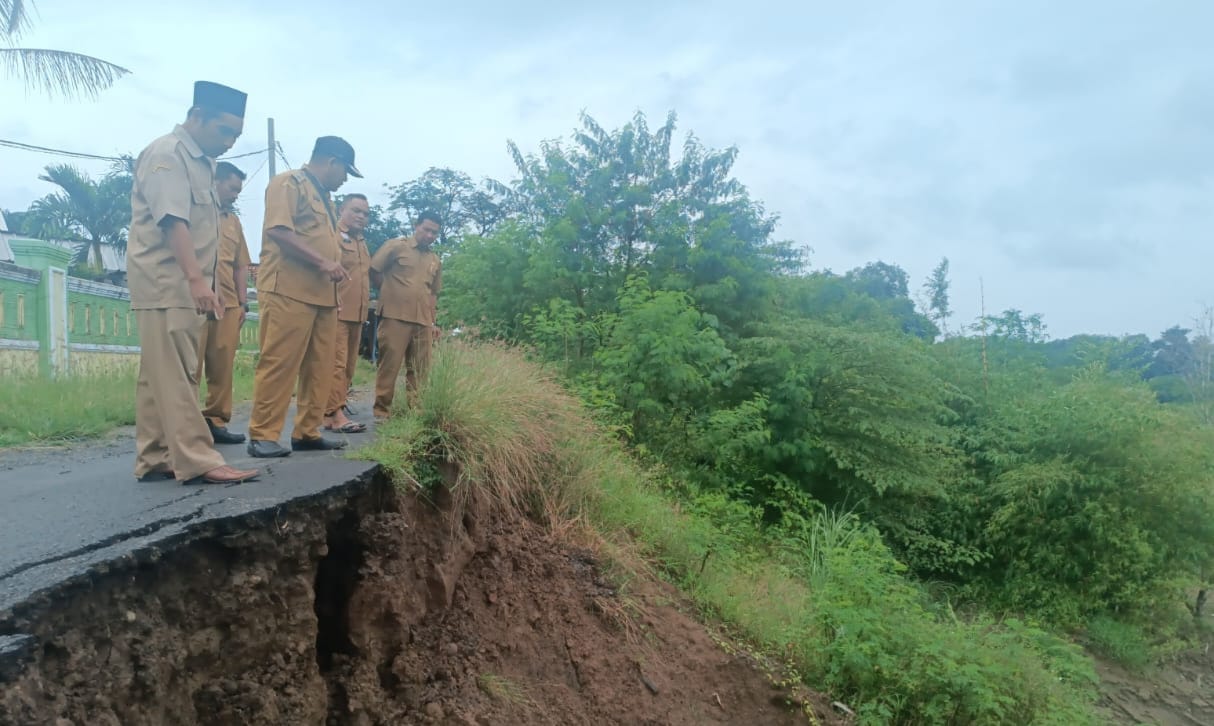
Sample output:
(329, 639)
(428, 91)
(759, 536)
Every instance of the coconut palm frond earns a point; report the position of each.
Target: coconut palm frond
(58, 72)
(14, 18)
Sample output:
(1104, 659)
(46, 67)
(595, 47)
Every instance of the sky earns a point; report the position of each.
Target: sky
(1060, 155)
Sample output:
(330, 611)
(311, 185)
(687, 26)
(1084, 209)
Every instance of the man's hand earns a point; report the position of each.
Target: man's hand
(206, 300)
(436, 331)
(244, 314)
(334, 270)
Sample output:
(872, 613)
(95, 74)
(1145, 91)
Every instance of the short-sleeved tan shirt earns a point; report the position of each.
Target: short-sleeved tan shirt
(411, 277)
(295, 201)
(355, 293)
(233, 253)
(173, 178)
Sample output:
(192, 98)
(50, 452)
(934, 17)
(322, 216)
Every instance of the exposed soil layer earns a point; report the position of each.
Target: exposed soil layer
(366, 607)
(1180, 693)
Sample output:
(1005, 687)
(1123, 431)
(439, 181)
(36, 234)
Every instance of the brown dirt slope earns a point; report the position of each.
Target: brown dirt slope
(1178, 693)
(365, 608)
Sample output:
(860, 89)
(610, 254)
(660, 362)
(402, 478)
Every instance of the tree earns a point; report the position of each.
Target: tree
(56, 72)
(935, 300)
(1014, 325)
(94, 214)
(452, 196)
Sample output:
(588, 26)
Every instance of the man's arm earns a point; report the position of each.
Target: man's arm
(281, 198)
(163, 181)
(381, 261)
(293, 246)
(206, 300)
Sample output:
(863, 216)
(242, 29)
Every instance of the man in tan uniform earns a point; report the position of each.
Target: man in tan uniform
(354, 294)
(409, 277)
(221, 336)
(171, 257)
(297, 300)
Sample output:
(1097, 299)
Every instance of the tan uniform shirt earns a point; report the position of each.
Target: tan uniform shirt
(233, 253)
(355, 293)
(294, 201)
(173, 178)
(411, 277)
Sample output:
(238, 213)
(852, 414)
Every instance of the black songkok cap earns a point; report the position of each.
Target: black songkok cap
(339, 149)
(219, 98)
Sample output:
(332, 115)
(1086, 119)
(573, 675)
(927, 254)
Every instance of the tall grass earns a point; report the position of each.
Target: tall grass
(40, 410)
(37, 410)
(828, 599)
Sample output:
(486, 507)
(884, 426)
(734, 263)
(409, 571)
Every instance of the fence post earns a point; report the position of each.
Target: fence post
(50, 304)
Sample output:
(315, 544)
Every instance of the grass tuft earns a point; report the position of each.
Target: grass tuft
(500, 688)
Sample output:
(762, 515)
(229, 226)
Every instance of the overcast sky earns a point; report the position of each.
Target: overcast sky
(1059, 151)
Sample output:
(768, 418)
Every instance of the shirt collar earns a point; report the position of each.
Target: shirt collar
(190, 144)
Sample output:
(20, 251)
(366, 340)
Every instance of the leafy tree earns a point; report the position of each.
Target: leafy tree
(1014, 325)
(94, 214)
(611, 205)
(56, 72)
(935, 296)
(662, 360)
(889, 286)
(455, 198)
(1097, 500)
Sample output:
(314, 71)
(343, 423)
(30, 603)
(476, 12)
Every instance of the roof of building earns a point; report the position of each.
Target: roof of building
(112, 260)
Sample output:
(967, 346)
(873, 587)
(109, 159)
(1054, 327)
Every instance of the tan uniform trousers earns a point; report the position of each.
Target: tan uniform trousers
(217, 359)
(170, 432)
(400, 342)
(349, 334)
(296, 344)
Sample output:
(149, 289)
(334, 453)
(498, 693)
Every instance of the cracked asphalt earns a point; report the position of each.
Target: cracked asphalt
(68, 509)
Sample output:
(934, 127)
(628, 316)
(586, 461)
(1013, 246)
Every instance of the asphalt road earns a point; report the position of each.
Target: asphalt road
(68, 509)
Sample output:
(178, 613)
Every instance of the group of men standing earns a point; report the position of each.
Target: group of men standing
(187, 266)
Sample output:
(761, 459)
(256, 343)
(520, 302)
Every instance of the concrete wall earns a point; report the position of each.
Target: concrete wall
(52, 324)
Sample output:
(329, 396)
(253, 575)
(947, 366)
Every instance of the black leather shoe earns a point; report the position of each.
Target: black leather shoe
(223, 436)
(319, 444)
(267, 450)
(158, 475)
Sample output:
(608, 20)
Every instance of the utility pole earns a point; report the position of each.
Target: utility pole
(271, 147)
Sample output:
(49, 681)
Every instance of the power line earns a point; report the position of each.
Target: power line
(258, 171)
(85, 155)
(282, 155)
(241, 156)
(56, 152)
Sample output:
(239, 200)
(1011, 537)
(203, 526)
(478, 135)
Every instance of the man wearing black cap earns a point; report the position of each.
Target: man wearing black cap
(171, 255)
(297, 299)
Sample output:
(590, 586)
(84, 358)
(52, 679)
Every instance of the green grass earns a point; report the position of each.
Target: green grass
(38, 410)
(828, 601)
(35, 410)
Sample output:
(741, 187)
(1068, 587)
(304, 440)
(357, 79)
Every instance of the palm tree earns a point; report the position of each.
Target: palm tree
(57, 72)
(94, 214)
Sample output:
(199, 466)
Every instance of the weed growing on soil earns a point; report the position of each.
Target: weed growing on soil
(826, 597)
(500, 688)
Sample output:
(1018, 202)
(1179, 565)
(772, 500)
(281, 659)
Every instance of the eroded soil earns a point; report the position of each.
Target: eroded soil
(374, 608)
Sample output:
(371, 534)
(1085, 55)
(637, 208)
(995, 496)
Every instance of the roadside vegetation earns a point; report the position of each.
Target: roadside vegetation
(930, 516)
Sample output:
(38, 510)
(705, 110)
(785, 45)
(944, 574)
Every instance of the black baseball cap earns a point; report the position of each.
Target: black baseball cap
(339, 149)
